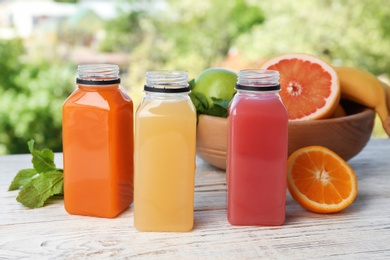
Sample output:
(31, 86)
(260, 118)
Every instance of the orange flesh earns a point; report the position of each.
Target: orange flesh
(305, 86)
(98, 151)
(321, 178)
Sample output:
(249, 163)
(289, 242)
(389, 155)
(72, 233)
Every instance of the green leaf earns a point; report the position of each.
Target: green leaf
(40, 183)
(191, 83)
(42, 160)
(22, 178)
(35, 193)
(219, 108)
(200, 102)
(217, 111)
(221, 103)
(31, 145)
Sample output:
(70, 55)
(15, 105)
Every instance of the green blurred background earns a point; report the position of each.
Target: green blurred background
(41, 43)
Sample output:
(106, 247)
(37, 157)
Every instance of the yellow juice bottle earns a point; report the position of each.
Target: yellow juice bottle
(164, 156)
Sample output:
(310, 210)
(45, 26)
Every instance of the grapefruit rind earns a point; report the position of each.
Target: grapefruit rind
(305, 108)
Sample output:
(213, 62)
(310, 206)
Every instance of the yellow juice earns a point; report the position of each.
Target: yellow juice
(165, 133)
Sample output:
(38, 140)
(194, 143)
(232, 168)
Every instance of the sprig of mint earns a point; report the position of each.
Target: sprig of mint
(40, 183)
(218, 108)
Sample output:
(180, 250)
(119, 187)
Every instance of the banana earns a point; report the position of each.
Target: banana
(364, 88)
(387, 91)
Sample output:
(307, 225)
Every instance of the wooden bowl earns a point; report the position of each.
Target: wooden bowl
(346, 136)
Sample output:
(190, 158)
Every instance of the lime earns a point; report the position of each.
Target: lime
(216, 83)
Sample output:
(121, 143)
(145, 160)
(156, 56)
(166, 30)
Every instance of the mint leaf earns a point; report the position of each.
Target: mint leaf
(191, 83)
(39, 189)
(22, 178)
(40, 183)
(221, 103)
(200, 102)
(217, 111)
(42, 160)
(219, 108)
(30, 145)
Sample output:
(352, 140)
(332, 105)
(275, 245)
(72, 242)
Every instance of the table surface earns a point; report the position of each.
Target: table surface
(362, 231)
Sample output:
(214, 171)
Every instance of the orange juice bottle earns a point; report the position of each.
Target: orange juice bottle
(97, 131)
(165, 132)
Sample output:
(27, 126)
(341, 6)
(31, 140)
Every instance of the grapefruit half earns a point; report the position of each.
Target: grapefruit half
(309, 86)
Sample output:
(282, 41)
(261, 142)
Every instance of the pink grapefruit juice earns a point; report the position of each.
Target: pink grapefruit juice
(257, 159)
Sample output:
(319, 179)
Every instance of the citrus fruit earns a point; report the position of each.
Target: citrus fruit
(216, 82)
(339, 112)
(309, 86)
(320, 180)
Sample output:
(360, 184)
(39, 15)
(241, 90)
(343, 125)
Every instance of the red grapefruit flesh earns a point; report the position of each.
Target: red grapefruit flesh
(309, 86)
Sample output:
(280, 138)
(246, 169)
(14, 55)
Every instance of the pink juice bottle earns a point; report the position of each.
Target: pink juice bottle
(257, 151)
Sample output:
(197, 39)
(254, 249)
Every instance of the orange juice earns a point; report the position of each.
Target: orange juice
(98, 144)
(165, 130)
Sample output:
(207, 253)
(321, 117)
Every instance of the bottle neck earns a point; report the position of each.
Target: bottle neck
(167, 82)
(258, 81)
(98, 75)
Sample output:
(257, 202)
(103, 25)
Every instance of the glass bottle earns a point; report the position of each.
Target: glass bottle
(257, 150)
(165, 136)
(98, 144)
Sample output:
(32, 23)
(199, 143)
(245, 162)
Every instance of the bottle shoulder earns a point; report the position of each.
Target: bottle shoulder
(254, 100)
(266, 104)
(105, 99)
(160, 107)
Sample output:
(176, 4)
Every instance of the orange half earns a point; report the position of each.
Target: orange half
(309, 86)
(320, 180)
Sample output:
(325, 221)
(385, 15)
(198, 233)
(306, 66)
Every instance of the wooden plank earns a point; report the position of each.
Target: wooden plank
(361, 231)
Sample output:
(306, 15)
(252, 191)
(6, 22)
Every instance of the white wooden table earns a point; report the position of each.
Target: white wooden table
(362, 231)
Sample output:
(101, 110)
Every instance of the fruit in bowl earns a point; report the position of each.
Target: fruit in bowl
(311, 91)
(310, 86)
(212, 90)
(346, 135)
